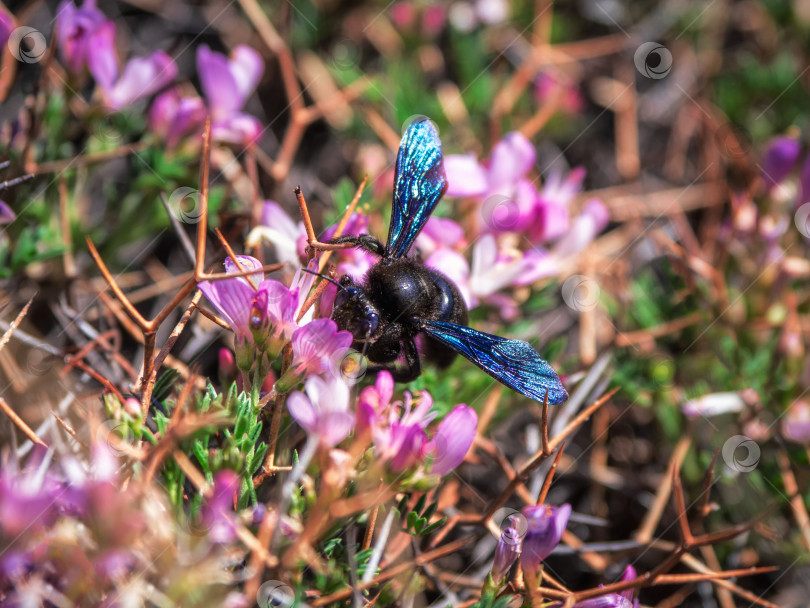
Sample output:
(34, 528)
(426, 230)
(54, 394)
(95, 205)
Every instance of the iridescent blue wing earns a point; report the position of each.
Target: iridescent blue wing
(419, 184)
(513, 362)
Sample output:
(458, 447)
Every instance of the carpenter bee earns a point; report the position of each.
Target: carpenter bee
(401, 299)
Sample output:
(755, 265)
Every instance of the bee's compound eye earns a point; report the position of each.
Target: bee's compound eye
(340, 298)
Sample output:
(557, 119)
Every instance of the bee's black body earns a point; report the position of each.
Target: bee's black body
(401, 299)
(399, 293)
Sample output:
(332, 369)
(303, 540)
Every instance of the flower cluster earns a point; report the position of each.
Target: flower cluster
(525, 234)
(86, 40)
(227, 83)
(398, 429)
(72, 536)
(263, 314)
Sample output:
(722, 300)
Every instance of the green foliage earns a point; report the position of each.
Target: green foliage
(416, 522)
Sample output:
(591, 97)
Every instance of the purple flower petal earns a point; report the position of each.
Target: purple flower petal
(238, 128)
(74, 30)
(218, 83)
(247, 263)
(318, 345)
(227, 85)
(507, 550)
(102, 60)
(439, 232)
(545, 527)
(217, 512)
(6, 214)
(512, 158)
(174, 116)
(142, 77)
(324, 410)
(409, 440)
(384, 386)
(465, 175)
(609, 600)
(584, 229)
(779, 159)
(233, 299)
(453, 439)
(247, 67)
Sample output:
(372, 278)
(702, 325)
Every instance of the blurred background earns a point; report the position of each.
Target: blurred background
(628, 183)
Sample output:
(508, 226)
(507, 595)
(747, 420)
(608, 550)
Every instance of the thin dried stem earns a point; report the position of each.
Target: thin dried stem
(20, 423)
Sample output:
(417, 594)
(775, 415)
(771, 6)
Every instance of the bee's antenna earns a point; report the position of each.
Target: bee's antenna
(324, 277)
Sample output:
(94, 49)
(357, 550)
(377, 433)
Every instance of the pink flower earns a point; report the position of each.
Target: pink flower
(142, 77)
(173, 116)
(217, 513)
(86, 39)
(399, 434)
(233, 298)
(374, 400)
(452, 439)
(318, 346)
(495, 269)
(439, 233)
(584, 229)
(501, 183)
(324, 411)
(227, 82)
(551, 217)
(545, 527)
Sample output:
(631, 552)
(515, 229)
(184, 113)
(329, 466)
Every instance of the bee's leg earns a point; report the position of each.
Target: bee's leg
(363, 241)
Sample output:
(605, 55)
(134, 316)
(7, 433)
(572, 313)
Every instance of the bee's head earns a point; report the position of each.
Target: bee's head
(354, 312)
